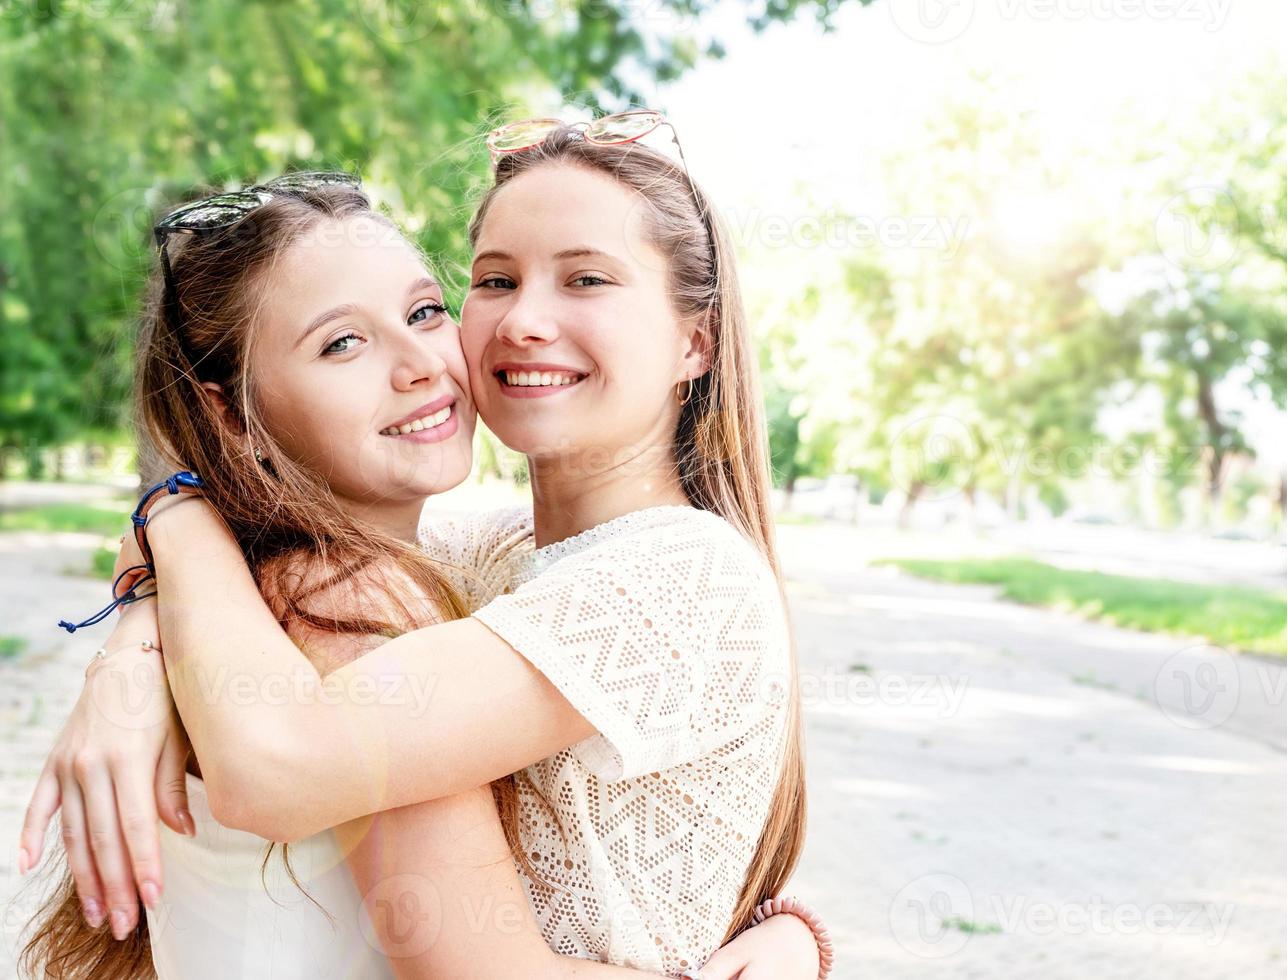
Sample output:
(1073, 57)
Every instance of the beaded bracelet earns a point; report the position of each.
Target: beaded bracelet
(791, 906)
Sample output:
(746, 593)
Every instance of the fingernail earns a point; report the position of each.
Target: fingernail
(189, 827)
(93, 913)
(24, 862)
(150, 893)
(120, 923)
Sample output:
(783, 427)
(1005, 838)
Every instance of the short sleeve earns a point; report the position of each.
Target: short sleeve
(473, 548)
(662, 639)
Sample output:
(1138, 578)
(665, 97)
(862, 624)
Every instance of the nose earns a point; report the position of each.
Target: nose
(416, 360)
(529, 319)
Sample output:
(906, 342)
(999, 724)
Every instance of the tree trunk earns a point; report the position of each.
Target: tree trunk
(788, 489)
(905, 515)
(1216, 433)
(1282, 506)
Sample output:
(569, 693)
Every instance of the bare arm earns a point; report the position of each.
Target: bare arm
(118, 764)
(445, 900)
(434, 712)
(444, 897)
(496, 923)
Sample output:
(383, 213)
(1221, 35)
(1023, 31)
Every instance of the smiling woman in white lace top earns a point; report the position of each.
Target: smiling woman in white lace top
(628, 656)
(664, 628)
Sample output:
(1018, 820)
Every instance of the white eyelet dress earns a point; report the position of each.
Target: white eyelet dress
(665, 628)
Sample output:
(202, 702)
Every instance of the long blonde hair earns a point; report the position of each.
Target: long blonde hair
(721, 440)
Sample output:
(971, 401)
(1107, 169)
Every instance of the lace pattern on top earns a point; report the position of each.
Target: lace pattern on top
(665, 629)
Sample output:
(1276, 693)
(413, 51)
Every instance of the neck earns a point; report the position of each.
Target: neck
(570, 496)
(401, 518)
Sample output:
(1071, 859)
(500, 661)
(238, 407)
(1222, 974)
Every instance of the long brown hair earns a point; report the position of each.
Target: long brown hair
(721, 442)
(297, 541)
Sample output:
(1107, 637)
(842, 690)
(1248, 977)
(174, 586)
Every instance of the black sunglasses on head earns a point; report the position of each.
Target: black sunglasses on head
(224, 210)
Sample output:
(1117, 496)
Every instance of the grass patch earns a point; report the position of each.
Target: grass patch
(1228, 616)
(12, 646)
(105, 520)
(971, 928)
(102, 563)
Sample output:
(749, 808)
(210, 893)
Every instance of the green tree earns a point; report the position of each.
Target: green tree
(110, 111)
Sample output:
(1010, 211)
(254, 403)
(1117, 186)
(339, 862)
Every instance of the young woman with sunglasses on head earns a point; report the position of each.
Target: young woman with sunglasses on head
(634, 670)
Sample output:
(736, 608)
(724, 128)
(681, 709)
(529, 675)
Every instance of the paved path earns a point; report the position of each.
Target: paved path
(997, 792)
(1049, 788)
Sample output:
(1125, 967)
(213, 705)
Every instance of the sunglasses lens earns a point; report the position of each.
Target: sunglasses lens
(214, 212)
(311, 181)
(521, 135)
(624, 126)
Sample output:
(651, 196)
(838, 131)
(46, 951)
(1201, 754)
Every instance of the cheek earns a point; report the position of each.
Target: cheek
(473, 339)
(448, 343)
(631, 352)
(316, 418)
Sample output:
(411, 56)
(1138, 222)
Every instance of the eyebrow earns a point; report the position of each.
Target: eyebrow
(348, 309)
(577, 252)
(322, 319)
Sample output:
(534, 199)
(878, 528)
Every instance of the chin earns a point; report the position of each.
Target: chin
(452, 472)
(393, 478)
(534, 441)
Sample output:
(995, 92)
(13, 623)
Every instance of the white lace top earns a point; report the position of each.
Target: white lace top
(665, 629)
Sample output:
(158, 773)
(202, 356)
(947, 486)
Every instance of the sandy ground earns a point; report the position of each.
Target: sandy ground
(996, 791)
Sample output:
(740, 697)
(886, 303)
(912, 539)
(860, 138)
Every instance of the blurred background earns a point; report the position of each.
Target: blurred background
(1017, 271)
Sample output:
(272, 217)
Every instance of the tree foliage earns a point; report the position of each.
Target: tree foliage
(112, 110)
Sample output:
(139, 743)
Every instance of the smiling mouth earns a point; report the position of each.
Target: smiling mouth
(539, 379)
(431, 421)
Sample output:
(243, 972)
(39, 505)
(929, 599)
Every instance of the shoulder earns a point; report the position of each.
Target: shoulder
(674, 541)
(380, 591)
(690, 567)
(466, 538)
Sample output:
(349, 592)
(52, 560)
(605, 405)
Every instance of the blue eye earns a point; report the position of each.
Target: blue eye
(495, 282)
(437, 309)
(330, 348)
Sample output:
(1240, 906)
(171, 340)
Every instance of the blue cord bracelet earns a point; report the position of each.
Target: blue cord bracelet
(177, 483)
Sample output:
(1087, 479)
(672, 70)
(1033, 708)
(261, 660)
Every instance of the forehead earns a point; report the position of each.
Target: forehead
(347, 253)
(557, 204)
(357, 260)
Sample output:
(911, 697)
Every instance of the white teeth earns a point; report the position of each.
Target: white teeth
(419, 425)
(539, 379)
